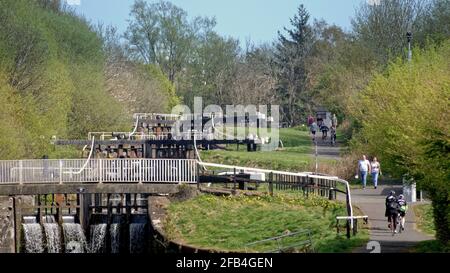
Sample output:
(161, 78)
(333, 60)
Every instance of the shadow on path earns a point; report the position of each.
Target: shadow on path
(372, 202)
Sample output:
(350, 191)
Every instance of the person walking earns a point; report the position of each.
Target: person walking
(334, 121)
(376, 171)
(363, 169)
(310, 120)
(313, 129)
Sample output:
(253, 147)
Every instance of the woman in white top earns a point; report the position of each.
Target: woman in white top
(376, 171)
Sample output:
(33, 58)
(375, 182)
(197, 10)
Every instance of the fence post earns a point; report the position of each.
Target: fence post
(197, 174)
(141, 171)
(355, 227)
(271, 184)
(234, 180)
(348, 228)
(100, 169)
(179, 163)
(60, 171)
(20, 172)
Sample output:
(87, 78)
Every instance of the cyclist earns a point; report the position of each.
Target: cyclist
(402, 210)
(392, 210)
(324, 130)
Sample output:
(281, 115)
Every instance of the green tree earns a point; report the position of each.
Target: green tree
(405, 122)
(160, 33)
(291, 55)
(210, 74)
(51, 73)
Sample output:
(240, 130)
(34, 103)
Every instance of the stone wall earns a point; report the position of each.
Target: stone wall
(6, 225)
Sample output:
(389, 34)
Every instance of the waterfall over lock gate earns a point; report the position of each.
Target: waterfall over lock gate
(97, 238)
(74, 238)
(115, 237)
(29, 220)
(33, 238)
(52, 237)
(119, 235)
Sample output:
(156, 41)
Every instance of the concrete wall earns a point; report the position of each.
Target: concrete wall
(6, 225)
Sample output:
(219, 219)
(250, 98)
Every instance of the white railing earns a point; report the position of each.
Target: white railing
(98, 171)
(155, 116)
(66, 171)
(154, 136)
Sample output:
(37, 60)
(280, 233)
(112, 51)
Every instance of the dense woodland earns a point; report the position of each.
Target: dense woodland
(63, 76)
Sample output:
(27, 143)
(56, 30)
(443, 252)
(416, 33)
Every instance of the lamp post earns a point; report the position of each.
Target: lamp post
(409, 37)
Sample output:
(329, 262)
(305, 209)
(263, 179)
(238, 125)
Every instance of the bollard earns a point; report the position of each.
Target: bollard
(330, 194)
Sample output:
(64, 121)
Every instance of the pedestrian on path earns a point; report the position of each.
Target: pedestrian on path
(310, 120)
(376, 171)
(363, 169)
(334, 121)
(313, 129)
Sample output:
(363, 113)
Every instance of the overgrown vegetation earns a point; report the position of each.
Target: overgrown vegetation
(229, 223)
(404, 121)
(424, 219)
(432, 246)
(55, 80)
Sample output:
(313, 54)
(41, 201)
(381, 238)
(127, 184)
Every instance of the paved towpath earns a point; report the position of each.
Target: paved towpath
(371, 202)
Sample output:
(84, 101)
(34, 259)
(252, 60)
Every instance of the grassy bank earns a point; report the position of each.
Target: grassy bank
(432, 246)
(229, 223)
(424, 219)
(295, 156)
(425, 223)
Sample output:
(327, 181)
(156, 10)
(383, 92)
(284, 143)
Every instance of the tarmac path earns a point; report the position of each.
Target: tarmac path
(371, 202)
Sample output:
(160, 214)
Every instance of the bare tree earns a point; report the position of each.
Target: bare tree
(130, 83)
(255, 79)
(382, 27)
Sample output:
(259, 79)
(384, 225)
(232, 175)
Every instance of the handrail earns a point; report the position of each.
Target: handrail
(98, 170)
(196, 151)
(87, 160)
(135, 127)
(281, 248)
(305, 174)
(214, 165)
(147, 167)
(145, 115)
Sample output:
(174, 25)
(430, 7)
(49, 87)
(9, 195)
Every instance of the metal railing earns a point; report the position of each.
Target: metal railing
(98, 171)
(156, 116)
(179, 171)
(300, 240)
(153, 136)
(322, 184)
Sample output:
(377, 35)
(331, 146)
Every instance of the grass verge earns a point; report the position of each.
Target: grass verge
(425, 223)
(295, 156)
(230, 223)
(432, 246)
(424, 218)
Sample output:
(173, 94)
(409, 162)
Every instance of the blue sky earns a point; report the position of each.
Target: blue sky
(258, 20)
